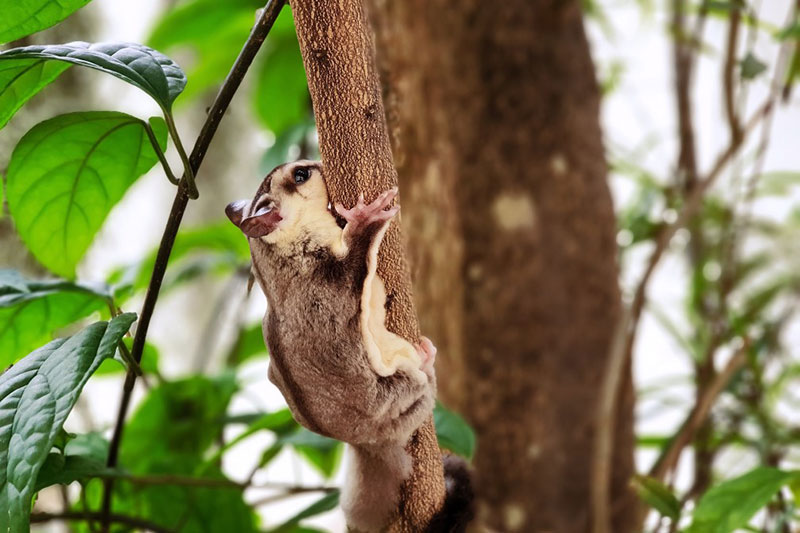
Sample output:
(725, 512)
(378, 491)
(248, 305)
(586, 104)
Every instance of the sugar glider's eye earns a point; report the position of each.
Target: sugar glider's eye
(301, 175)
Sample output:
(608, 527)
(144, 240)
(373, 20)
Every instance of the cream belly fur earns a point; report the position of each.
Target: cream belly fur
(308, 216)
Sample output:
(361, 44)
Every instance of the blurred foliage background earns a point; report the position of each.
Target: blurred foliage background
(208, 449)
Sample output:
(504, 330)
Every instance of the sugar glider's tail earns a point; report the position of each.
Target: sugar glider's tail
(458, 509)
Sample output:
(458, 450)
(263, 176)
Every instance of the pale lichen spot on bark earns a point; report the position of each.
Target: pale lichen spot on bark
(513, 516)
(475, 271)
(514, 211)
(534, 451)
(558, 163)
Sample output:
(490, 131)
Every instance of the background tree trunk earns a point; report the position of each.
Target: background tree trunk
(493, 110)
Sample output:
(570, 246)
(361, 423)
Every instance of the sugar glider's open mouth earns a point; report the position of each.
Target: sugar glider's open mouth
(261, 223)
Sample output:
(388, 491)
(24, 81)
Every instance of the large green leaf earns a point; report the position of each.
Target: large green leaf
(198, 21)
(177, 419)
(214, 31)
(67, 173)
(36, 395)
(23, 17)
(32, 310)
(731, 504)
(139, 65)
(172, 432)
(21, 79)
(453, 432)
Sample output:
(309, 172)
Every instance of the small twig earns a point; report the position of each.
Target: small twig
(728, 73)
(625, 331)
(123, 348)
(290, 493)
(217, 111)
(699, 413)
(160, 153)
(170, 479)
(92, 516)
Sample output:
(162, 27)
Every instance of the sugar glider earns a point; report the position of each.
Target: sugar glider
(341, 371)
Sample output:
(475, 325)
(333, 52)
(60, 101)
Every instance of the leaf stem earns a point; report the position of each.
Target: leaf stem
(217, 111)
(160, 153)
(123, 349)
(188, 171)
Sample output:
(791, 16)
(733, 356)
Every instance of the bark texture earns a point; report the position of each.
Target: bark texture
(339, 55)
(493, 110)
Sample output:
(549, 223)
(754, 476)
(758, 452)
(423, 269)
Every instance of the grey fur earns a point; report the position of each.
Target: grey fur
(317, 356)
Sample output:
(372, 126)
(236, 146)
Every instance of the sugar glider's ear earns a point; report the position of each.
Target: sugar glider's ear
(235, 211)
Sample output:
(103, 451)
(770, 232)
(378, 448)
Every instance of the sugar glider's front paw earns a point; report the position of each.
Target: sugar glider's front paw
(363, 214)
(427, 354)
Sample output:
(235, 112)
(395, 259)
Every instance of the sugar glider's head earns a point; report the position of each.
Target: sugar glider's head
(291, 200)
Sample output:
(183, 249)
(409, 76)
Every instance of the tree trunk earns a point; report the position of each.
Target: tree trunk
(493, 110)
(339, 56)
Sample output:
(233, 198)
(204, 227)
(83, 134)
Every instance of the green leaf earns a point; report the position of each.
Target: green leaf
(92, 446)
(32, 310)
(658, 496)
(278, 422)
(36, 395)
(731, 504)
(171, 432)
(196, 21)
(778, 183)
(139, 65)
(214, 31)
(21, 79)
(792, 31)
(61, 469)
(177, 419)
(67, 173)
(178, 508)
(281, 91)
(453, 432)
(752, 67)
(326, 503)
(23, 17)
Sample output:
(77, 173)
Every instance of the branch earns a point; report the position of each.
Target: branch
(221, 103)
(625, 331)
(728, 73)
(338, 51)
(699, 413)
(290, 492)
(131, 521)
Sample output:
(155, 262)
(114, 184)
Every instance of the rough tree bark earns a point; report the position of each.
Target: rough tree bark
(493, 109)
(338, 52)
